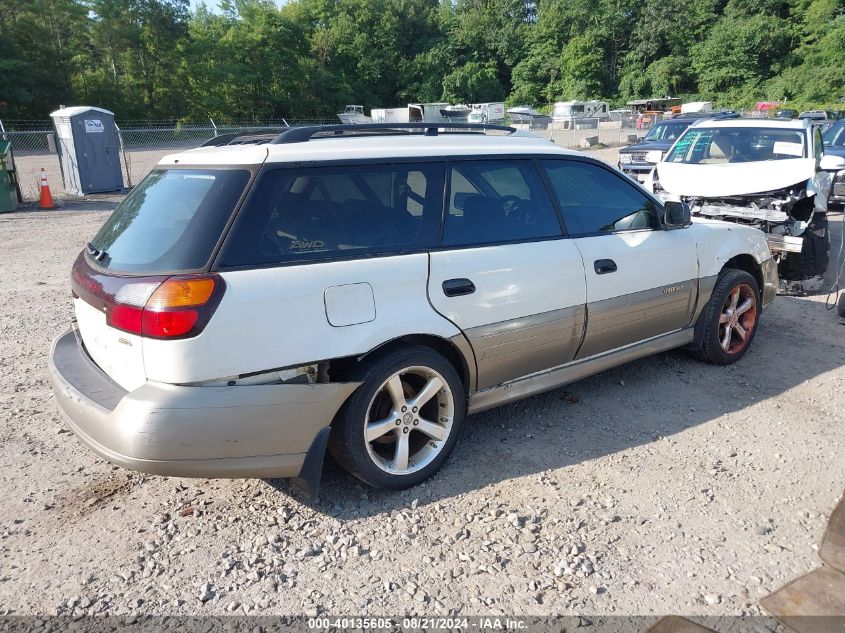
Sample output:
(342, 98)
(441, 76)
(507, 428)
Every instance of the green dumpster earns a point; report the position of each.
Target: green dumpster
(8, 193)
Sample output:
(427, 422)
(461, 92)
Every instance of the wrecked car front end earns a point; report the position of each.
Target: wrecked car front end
(795, 222)
(761, 177)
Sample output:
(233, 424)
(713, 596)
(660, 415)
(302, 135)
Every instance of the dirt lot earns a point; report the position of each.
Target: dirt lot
(665, 485)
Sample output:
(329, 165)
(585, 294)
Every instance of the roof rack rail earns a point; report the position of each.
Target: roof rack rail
(239, 138)
(306, 133)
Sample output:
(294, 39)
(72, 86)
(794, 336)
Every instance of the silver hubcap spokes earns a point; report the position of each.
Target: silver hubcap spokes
(738, 319)
(409, 420)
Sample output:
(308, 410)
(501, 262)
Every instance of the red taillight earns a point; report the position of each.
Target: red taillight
(126, 318)
(155, 307)
(168, 324)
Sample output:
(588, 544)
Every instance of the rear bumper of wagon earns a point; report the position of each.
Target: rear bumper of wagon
(183, 431)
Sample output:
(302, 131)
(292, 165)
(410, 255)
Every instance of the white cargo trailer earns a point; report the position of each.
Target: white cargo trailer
(412, 113)
(487, 112)
(571, 114)
(389, 115)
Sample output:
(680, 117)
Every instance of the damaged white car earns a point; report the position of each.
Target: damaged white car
(766, 173)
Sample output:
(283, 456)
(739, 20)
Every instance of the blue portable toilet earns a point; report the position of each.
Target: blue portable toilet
(89, 150)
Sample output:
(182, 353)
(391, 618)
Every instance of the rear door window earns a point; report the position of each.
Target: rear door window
(319, 213)
(496, 201)
(171, 221)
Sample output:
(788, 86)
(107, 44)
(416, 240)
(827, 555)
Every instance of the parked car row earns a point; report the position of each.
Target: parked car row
(817, 116)
(248, 306)
(834, 145)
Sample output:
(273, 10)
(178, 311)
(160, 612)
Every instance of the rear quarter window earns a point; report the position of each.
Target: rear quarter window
(308, 214)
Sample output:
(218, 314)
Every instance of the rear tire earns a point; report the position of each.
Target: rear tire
(402, 423)
(728, 324)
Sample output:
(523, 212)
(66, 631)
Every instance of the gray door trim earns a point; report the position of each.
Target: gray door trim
(571, 372)
(509, 349)
(618, 321)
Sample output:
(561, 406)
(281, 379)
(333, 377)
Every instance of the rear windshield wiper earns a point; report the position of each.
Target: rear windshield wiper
(96, 253)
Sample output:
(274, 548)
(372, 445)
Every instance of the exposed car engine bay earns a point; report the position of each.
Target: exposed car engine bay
(793, 218)
(770, 175)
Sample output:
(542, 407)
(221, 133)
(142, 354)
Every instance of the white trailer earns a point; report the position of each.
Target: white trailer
(389, 115)
(412, 113)
(697, 106)
(571, 114)
(427, 112)
(487, 112)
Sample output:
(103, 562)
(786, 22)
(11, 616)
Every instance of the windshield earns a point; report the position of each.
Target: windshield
(737, 145)
(170, 222)
(667, 131)
(835, 136)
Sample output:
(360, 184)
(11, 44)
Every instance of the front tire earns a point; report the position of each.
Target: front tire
(728, 324)
(402, 423)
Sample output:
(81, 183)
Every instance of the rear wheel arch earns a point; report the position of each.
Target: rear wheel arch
(458, 353)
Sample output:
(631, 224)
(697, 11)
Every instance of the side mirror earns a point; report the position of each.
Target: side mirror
(654, 156)
(676, 215)
(829, 162)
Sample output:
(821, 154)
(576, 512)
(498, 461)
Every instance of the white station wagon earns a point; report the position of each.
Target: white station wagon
(364, 289)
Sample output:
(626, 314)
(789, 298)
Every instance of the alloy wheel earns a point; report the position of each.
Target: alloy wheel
(409, 420)
(737, 319)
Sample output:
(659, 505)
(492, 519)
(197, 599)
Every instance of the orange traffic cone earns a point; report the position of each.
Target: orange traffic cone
(47, 201)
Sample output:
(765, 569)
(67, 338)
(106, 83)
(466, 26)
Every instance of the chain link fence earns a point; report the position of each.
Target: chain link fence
(143, 144)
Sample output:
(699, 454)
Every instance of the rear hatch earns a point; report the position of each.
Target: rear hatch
(143, 275)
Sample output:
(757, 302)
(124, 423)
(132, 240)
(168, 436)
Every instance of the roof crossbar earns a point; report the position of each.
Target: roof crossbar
(306, 133)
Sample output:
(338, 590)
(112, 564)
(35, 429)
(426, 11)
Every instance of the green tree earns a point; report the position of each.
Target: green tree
(148, 59)
(38, 44)
(740, 53)
(581, 71)
(473, 83)
(491, 34)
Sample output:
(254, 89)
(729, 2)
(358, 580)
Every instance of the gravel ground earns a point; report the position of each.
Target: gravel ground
(665, 485)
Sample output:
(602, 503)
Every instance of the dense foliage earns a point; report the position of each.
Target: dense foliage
(157, 59)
